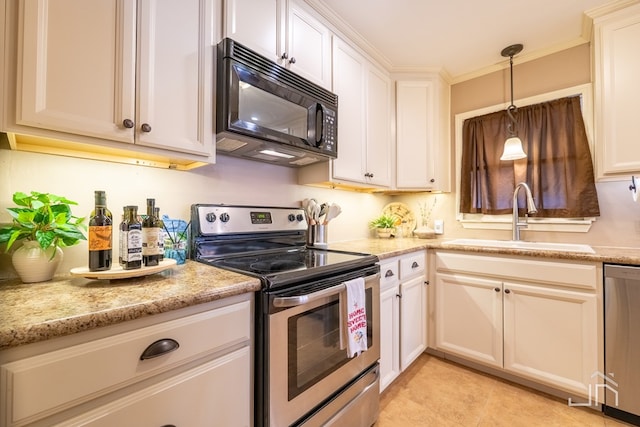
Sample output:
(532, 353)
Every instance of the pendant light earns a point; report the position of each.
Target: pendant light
(513, 145)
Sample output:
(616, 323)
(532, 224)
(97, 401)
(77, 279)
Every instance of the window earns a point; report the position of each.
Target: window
(558, 168)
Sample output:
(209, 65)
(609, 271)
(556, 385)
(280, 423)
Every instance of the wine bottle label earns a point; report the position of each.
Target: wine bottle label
(151, 241)
(131, 245)
(100, 237)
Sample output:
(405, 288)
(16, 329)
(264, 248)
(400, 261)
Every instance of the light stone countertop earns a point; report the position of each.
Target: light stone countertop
(36, 312)
(387, 248)
(39, 311)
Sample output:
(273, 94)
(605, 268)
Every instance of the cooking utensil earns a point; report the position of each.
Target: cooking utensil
(309, 208)
(316, 213)
(333, 211)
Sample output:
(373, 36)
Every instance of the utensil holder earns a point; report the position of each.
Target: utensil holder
(317, 236)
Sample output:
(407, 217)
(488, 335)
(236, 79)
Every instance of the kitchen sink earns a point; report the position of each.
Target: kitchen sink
(520, 244)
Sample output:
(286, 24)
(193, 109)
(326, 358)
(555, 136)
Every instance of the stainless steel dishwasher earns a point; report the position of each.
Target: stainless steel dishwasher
(622, 342)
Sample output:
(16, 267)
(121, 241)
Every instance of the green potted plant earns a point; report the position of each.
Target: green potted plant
(384, 225)
(44, 223)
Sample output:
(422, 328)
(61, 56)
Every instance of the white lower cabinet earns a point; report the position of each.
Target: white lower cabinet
(536, 319)
(199, 375)
(403, 314)
(469, 317)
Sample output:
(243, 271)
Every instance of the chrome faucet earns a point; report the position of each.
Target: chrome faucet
(531, 209)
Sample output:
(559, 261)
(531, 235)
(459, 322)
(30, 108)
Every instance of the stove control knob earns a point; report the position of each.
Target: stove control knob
(291, 217)
(224, 217)
(300, 217)
(211, 217)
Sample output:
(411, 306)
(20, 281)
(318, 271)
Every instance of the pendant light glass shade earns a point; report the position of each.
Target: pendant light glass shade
(513, 149)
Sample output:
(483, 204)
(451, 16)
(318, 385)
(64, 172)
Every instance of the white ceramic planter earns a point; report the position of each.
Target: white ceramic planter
(384, 233)
(34, 264)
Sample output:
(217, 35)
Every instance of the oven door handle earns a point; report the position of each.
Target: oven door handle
(285, 302)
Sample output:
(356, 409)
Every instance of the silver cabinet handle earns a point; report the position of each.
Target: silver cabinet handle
(159, 348)
(389, 273)
(415, 265)
(128, 123)
(145, 127)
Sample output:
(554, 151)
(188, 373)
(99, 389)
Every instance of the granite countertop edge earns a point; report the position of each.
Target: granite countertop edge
(66, 305)
(31, 313)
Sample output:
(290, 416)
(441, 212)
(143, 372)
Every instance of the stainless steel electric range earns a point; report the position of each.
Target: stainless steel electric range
(303, 375)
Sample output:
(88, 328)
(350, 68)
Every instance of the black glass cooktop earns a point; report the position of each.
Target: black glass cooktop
(293, 265)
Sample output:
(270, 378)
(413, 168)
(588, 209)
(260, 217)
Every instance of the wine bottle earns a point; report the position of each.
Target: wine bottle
(163, 234)
(130, 239)
(150, 237)
(100, 235)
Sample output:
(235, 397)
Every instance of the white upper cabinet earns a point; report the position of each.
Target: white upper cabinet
(77, 84)
(364, 125)
(255, 24)
(423, 159)
(378, 126)
(175, 87)
(617, 93)
(349, 84)
(283, 31)
(133, 72)
(307, 49)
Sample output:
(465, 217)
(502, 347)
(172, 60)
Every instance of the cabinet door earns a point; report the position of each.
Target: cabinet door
(469, 317)
(389, 336)
(308, 46)
(378, 121)
(254, 24)
(349, 85)
(413, 320)
(175, 89)
(217, 393)
(415, 146)
(617, 94)
(76, 66)
(551, 336)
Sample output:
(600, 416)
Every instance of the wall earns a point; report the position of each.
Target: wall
(235, 181)
(619, 223)
(230, 181)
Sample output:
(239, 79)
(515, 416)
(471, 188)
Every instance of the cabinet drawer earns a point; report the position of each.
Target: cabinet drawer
(389, 274)
(41, 385)
(193, 398)
(413, 265)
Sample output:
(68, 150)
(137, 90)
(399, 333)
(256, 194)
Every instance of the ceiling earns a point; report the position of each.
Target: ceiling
(460, 37)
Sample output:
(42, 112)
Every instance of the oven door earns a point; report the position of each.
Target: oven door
(308, 361)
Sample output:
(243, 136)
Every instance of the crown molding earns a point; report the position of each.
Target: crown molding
(605, 9)
(344, 29)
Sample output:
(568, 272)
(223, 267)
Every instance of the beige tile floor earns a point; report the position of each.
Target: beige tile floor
(435, 392)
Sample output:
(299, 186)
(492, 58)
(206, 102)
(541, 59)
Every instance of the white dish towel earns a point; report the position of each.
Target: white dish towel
(356, 317)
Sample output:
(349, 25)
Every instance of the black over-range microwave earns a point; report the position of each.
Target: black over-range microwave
(266, 112)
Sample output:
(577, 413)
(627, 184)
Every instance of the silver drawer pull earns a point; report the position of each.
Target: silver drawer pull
(159, 348)
(389, 273)
(415, 264)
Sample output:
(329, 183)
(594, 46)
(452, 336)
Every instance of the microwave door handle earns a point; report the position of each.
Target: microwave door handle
(286, 302)
(319, 124)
